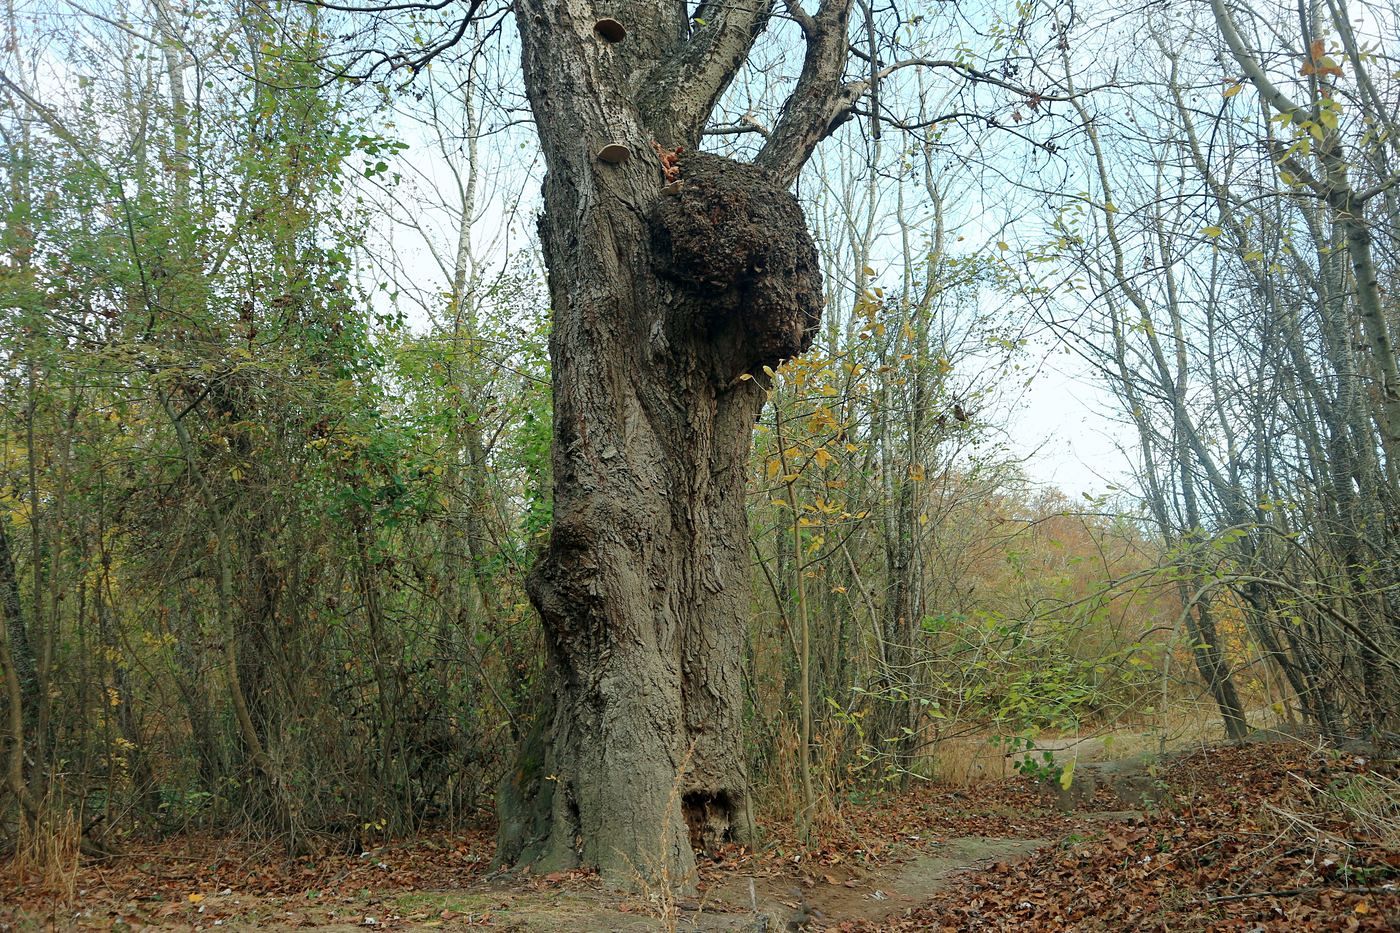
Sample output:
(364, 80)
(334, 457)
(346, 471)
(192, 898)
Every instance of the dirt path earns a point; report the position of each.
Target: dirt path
(890, 859)
(737, 903)
(838, 895)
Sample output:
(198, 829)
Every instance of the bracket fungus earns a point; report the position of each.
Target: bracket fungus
(614, 153)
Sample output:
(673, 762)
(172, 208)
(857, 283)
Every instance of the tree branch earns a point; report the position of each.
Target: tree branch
(820, 102)
(802, 18)
(977, 77)
(1252, 69)
(1380, 188)
(682, 89)
(747, 124)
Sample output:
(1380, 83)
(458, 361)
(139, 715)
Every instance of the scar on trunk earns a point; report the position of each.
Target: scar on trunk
(708, 816)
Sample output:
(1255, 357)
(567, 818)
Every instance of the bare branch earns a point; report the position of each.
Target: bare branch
(802, 18)
(820, 102)
(1251, 66)
(747, 124)
(682, 89)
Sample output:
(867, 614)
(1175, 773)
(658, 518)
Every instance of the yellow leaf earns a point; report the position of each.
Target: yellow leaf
(1213, 232)
(1067, 776)
(1001, 245)
(1233, 89)
(1362, 908)
(822, 457)
(196, 898)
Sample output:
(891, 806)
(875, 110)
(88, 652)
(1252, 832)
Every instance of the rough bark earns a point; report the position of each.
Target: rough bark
(662, 305)
(667, 306)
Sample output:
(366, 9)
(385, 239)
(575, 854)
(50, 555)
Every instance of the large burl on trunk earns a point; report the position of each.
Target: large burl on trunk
(663, 303)
(738, 248)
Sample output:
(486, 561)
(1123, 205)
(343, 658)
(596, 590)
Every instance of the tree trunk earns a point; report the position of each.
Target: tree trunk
(1211, 664)
(675, 285)
(22, 654)
(667, 307)
(662, 306)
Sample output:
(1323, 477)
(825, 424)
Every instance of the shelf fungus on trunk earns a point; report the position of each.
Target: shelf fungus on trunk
(736, 245)
(614, 153)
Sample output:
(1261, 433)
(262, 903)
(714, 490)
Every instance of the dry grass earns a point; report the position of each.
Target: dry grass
(968, 760)
(46, 856)
(781, 793)
(1368, 801)
(655, 882)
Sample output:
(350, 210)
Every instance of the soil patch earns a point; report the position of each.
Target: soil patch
(842, 892)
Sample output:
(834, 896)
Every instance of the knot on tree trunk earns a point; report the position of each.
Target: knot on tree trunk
(735, 244)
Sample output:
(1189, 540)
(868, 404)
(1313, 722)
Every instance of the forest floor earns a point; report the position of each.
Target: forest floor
(1280, 836)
